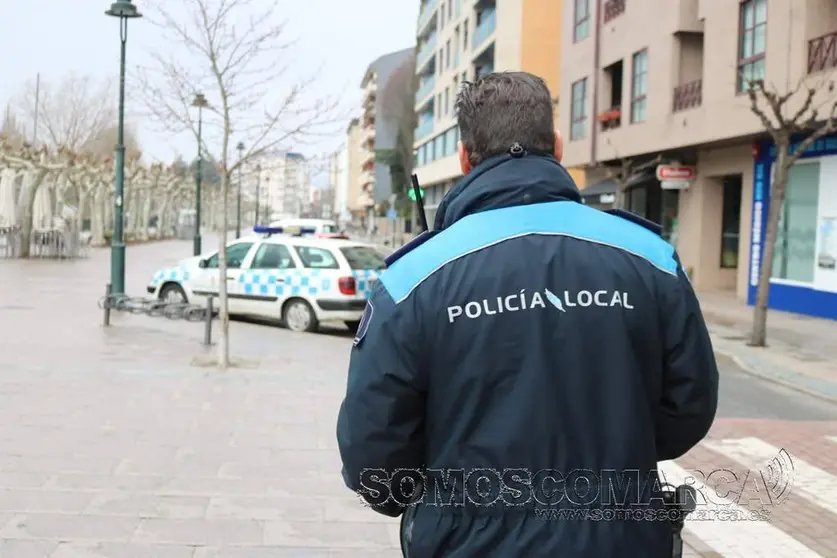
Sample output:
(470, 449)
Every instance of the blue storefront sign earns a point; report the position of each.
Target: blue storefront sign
(819, 298)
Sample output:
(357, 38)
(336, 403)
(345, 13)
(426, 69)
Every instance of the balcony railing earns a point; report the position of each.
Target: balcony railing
(611, 118)
(426, 51)
(428, 11)
(688, 95)
(424, 129)
(822, 53)
(425, 89)
(613, 9)
(485, 28)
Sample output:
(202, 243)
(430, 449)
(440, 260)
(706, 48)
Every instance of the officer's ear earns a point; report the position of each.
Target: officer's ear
(559, 145)
(464, 159)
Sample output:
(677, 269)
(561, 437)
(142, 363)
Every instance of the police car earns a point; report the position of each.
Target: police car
(302, 281)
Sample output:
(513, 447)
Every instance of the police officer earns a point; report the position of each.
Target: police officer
(529, 333)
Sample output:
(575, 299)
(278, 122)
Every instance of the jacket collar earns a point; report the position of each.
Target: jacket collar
(506, 181)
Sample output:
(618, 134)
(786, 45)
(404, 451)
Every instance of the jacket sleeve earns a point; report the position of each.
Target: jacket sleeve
(381, 421)
(690, 373)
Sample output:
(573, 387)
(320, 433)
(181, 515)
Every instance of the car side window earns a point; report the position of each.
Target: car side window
(316, 258)
(273, 256)
(235, 255)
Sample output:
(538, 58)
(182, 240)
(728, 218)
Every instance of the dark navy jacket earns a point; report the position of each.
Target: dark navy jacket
(531, 334)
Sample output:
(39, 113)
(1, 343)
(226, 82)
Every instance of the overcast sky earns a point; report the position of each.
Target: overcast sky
(59, 37)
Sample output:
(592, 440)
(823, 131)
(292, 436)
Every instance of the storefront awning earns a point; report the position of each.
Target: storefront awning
(599, 188)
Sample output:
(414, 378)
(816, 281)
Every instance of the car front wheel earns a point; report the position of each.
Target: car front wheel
(172, 293)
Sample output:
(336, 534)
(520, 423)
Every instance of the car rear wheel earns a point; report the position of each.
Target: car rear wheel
(172, 293)
(299, 316)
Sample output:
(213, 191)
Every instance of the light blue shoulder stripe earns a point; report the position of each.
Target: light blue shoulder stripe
(481, 230)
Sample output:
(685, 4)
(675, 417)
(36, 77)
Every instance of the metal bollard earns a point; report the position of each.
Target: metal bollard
(207, 331)
(106, 320)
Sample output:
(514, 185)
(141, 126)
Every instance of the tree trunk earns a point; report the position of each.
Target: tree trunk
(758, 337)
(163, 217)
(146, 215)
(31, 182)
(82, 207)
(224, 341)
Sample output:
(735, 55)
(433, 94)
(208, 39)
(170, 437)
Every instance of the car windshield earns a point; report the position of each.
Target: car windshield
(364, 257)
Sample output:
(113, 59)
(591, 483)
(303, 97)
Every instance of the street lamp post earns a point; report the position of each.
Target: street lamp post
(124, 10)
(240, 148)
(258, 185)
(200, 103)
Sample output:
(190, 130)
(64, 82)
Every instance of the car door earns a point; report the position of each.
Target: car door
(207, 283)
(266, 281)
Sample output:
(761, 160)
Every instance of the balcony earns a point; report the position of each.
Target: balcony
(426, 51)
(367, 158)
(822, 53)
(612, 10)
(426, 15)
(425, 88)
(425, 128)
(611, 118)
(688, 95)
(486, 27)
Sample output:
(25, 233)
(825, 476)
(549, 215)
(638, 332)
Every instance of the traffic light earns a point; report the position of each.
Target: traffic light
(412, 193)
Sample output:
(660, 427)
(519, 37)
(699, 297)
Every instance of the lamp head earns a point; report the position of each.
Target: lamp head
(199, 101)
(123, 9)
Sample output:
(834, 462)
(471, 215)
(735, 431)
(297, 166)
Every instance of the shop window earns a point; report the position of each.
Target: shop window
(730, 222)
(794, 256)
(670, 201)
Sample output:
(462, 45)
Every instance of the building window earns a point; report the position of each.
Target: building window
(582, 20)
(465, 35)
(450, 9)
(730, 222)
(794, 257)
(578, 110)
(639, 86)
(442, 18)
(447, 100)
(751, 42)
(447, 54)
(439, 107)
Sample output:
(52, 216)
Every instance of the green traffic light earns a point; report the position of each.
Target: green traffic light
(412, 193)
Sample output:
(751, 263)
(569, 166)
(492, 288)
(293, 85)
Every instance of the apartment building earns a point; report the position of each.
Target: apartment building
(357, 199)
(380, 130)
(285, 184)
(338, 183)
(458, 41)
(646, 79)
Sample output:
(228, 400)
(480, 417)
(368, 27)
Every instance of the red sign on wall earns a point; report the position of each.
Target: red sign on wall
(671, 172)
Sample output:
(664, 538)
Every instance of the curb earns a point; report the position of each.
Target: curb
(746, 368)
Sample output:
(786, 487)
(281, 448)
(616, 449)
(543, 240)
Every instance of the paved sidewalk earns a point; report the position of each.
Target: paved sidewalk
(801, 352)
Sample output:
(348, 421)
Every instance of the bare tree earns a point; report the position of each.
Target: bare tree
(622, 173)
(237, 54)
(70, 113)
(785, 122)
(398, 99)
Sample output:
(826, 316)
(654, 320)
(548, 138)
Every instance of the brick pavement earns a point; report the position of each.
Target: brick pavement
(113, 445)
